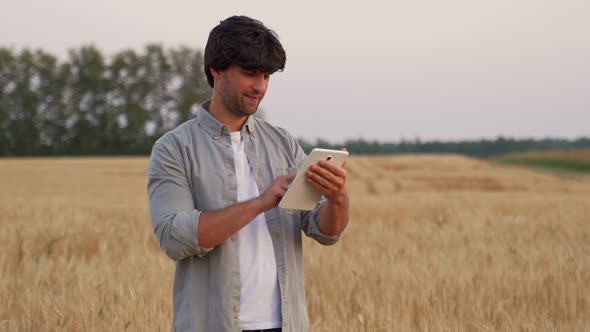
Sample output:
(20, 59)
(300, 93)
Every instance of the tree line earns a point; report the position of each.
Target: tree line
(482, 148)
(91, 104)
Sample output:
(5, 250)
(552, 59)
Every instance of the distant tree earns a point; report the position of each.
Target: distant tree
(54, 80)
(87, 114)
(187, 69)
(24, 100)
(7, 87)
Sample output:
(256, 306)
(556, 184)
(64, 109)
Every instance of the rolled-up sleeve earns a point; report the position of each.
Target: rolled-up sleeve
(309, 225)
(175, 221)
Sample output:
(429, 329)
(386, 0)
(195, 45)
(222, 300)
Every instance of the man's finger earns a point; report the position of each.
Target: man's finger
(288, 178)
(322, 172)
(322, 185)
(335, 170)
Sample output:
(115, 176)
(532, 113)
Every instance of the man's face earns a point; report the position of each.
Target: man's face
(241, 90)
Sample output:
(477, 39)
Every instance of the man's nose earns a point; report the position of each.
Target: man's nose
(259, 84)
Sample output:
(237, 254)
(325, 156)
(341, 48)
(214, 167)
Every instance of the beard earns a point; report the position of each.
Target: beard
(237, 103)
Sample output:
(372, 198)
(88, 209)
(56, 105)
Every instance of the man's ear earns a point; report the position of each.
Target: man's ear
(215, 73)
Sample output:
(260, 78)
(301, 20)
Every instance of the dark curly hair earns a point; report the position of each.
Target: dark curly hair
(246, 42)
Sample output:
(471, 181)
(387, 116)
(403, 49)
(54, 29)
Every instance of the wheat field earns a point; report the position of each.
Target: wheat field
(436, 243)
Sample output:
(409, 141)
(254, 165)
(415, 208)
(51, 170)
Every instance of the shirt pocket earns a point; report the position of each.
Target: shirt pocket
(278, 171)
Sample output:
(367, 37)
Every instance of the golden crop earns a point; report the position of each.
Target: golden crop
(436, 243)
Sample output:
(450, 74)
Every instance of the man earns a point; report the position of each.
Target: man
(214, 183)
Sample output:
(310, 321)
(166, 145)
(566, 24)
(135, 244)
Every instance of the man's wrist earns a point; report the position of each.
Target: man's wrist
(339, 201)
(258, 205)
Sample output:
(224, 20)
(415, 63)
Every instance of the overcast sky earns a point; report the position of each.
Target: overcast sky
(385, 70)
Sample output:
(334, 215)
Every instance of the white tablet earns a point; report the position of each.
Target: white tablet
(302, 195)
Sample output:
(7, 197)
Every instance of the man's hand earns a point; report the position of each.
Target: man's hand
(271, 197)
(330, 180)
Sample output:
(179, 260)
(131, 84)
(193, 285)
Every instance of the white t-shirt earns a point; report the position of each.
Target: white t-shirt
(260, 305)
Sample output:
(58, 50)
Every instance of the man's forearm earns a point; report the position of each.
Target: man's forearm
(217, 226)
(333, 216)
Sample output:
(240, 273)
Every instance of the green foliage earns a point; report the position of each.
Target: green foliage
(92, 104)
(480, 148)
(582, 166)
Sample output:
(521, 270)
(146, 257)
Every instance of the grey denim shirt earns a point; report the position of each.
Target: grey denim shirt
(192, 170)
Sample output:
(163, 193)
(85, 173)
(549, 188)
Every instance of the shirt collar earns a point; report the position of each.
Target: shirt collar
(250, 125)
(216, 128)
